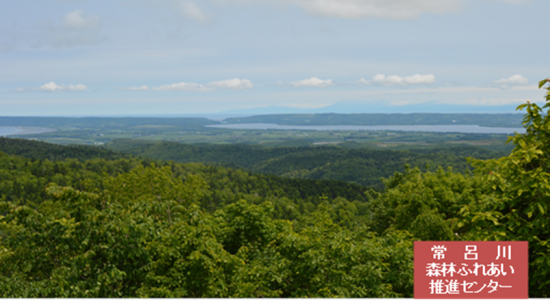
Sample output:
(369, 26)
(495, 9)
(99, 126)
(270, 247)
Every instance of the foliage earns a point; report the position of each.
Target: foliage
(360, 165)
(41, 150)
(142, 236)
(425, 204)
(23, 181)
(101, 225)
(521, 185)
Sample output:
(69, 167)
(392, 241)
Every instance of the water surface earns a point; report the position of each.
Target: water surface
(420, 128)
(4, 131)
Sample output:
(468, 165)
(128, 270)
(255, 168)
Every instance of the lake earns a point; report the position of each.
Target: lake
(420, 128)
(9, 130)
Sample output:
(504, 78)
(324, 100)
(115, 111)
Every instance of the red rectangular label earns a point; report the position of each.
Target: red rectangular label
(461, 270)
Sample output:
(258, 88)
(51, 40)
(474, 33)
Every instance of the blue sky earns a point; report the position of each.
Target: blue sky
(138, 57)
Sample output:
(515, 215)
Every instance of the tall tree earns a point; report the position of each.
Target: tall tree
(521, 186)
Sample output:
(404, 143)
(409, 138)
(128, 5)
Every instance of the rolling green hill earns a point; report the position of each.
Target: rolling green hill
(359, 165)
(43, 150)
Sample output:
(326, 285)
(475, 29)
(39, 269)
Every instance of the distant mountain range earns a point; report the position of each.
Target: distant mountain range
(355, 107)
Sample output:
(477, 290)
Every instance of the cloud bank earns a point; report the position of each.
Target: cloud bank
(74, 29)
(231, 84)
(191, 10)
(77, 30)
(356, 9)
(53, 87)
(312, 82)
(394, 80)
(136, 88)
(383, 9)
(76, 20)
(182, 86)
(512, 80)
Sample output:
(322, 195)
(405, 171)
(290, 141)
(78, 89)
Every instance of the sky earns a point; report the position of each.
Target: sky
(180, 57)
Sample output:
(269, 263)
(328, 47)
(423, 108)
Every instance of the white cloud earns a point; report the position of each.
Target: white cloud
(355, 9)
(50, 87)
(191, 10)
(136, 88)
(416, 79)
(384, 9)
(232, 84)
(312, 82)
(75, 20)
(514, 1)
(363, 81)
(73, 29)
(512, 80)
(182, 86)
(53, 87)
(76, 31)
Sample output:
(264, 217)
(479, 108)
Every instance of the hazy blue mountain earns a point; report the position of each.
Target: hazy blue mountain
(357, 107)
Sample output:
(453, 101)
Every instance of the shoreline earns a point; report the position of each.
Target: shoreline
(27, 130)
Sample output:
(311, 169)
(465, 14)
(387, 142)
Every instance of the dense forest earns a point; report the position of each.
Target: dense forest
(362, 165)
(86, 222)
(52, 152)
